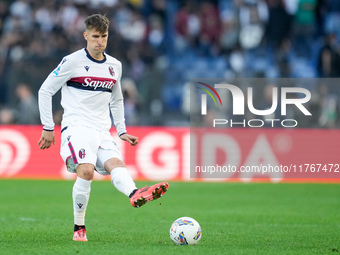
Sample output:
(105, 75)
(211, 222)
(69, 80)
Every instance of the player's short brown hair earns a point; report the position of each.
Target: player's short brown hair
(97, 22)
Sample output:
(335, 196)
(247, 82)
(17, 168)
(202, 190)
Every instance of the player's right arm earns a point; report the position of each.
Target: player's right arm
(54, 81)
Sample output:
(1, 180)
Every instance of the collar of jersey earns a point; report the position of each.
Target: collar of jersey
(94, 60)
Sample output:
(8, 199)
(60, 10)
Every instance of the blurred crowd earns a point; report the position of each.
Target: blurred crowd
(162, 44)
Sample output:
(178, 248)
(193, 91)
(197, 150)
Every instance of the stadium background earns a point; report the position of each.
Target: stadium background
(162, 44)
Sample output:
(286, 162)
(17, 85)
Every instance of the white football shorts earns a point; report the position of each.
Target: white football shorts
(81, 144)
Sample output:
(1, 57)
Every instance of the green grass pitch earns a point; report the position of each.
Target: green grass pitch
(36, 217)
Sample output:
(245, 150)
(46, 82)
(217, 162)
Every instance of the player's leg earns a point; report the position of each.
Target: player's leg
(123, 181)
(79, 148)
(81, 195)
(110, 161)
(120, 176)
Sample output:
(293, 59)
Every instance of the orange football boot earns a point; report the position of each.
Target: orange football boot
(80, 235)
(148, 193)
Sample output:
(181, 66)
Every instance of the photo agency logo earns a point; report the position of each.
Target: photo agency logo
(243, 100)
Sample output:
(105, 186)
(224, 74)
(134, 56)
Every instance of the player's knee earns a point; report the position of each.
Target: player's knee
(85, 171)
(113, 163)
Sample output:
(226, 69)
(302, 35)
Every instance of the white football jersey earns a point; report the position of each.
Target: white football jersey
(90, 90)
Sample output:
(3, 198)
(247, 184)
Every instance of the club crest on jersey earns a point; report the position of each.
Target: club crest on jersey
(82, 153)
(87, 68)
(112, 72)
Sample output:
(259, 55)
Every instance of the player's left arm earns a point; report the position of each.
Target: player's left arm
(46, 139)
(133, 140)
(117, 111)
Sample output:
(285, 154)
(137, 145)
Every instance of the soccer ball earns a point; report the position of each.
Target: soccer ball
(185, 231)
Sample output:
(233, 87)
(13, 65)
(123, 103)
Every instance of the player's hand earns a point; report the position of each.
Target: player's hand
(46, 139)
(133, 140)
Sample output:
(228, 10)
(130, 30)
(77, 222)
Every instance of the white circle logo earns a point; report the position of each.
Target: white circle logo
(14, 152)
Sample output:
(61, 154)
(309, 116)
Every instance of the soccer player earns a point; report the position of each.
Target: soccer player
(89, 80)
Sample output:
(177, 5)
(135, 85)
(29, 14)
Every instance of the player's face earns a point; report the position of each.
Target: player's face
(96, 43)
